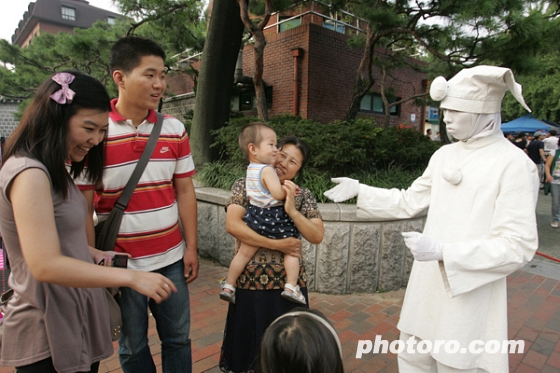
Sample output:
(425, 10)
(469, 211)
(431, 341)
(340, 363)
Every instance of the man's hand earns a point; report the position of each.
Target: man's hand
(104, 258)
(347, 188)
(190, 259)
(422, 247)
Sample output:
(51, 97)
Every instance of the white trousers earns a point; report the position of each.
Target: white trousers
(425, 363)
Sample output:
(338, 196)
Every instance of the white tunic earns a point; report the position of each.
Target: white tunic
(488, 226)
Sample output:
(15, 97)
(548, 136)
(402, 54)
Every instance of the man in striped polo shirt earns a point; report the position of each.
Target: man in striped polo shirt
(150, 230)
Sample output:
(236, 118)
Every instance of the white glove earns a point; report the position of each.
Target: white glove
(347, 188)
(422, 247)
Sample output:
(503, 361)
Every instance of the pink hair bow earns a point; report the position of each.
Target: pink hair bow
(64, 95)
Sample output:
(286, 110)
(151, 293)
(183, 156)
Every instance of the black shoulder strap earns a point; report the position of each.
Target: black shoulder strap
(122, 202)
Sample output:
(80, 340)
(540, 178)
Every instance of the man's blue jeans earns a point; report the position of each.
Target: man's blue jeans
(172, 322)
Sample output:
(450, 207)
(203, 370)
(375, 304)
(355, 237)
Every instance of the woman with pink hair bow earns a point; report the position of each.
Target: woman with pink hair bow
(57, 319)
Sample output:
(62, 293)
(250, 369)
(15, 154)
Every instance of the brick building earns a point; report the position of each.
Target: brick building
(309, 70)
(55, 16)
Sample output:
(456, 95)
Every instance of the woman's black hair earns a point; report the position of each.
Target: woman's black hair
(299, 344)
(293, 140)
(42, 131)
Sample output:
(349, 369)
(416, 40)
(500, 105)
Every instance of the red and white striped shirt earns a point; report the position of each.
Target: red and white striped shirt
(150, 226)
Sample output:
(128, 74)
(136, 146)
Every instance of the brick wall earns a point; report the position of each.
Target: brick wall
(279, 69)
(7, 121)
(179, 82)
(326, 75)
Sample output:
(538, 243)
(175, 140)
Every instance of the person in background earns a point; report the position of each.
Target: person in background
(163, 202)
(535, 151)
(552, 170)
(550, 142)
(300, 341)
(520, 141)
(429, 133)
(57, 319)
(480, 194)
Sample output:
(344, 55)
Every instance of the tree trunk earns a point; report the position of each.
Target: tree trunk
(364, 78)
(258, 48)
(215, 80)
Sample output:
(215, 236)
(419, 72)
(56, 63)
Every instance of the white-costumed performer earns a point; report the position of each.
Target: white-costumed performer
(481, 194)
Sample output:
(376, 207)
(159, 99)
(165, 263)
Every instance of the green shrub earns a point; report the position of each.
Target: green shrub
(222, 175)
(391, 157)
(340, 147)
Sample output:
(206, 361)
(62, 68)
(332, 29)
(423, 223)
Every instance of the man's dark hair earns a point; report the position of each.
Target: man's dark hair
(127, 52)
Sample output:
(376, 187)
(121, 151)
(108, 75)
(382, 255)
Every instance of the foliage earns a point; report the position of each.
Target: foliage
(222, 174)
(87, 50)
(391, 157)
(340, 147)
(456, 33)
(541, 90)
(176, 24)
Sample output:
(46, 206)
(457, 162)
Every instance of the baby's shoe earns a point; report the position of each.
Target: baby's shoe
(228, 296)
(294, 295)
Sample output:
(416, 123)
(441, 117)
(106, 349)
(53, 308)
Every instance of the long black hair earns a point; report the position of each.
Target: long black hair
(42, 131)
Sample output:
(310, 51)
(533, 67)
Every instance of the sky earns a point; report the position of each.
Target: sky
(12, 13)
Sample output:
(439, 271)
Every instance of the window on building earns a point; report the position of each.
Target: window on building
(68, 13)
(111, 20)
(245, 100)
(372, 103)
(331, 24)
(284, 26)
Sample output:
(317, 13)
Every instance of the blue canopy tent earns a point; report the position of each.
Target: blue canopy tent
(525, 124)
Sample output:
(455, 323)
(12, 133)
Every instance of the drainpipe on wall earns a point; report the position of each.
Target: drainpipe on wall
(425, 85)
(296, 52)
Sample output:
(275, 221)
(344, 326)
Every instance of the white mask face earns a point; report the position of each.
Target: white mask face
(464, 126)
(458, 124)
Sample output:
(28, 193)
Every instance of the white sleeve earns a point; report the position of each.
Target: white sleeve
(379, 203)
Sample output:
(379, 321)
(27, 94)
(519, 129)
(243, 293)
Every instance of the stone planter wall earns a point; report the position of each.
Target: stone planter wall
(355, 256)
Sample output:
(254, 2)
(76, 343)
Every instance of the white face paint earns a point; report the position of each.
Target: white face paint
(464, 126)
(458, 124)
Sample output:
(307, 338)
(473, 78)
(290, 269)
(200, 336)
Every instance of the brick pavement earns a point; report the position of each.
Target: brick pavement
(534, 316)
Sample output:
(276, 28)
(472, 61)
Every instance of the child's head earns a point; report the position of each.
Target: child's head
(300, 342)
(66, 106)
(127, 52)
(257, 141)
